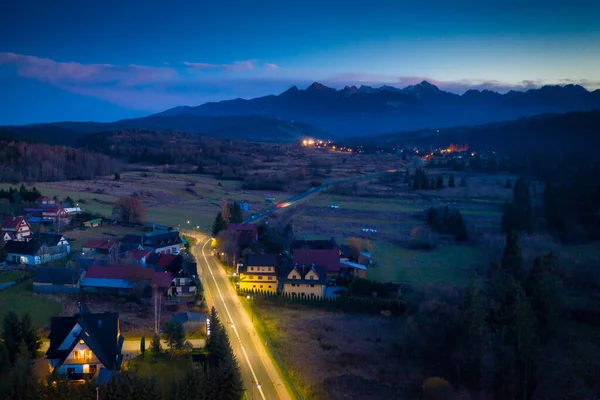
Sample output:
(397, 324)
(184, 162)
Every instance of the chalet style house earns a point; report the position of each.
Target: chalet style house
(259, 273)
(82, 345)
(158, 242)
(42, 249)
(329, 254)
(16, 228)
(305, 281)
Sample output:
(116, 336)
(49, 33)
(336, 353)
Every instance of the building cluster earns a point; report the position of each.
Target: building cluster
(313, 264)
(143, 265)
(48, 211)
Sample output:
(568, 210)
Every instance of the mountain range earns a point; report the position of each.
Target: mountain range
(365, 110)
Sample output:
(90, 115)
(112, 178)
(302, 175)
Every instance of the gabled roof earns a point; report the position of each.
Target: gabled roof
(119, 272)
(188, 316)
(99, 333)
(12, 223)
(166, 261)
(56, 275)
(44, 199)
(139, 254)
(99, 244)
(162, 279)
(154, 239)
(33, 246)
(9, 236)
(263, 260)
(320, 270)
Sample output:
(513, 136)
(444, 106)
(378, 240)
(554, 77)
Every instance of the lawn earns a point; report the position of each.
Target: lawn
(10, 276)
(162, 367)
(449, 264)
(21, 299)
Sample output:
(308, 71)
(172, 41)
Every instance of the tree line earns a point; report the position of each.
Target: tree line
(32, 162)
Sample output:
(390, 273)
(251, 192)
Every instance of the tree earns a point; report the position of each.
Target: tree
(508, 185)
(512, 259)
(219, 224)
(12, 335)
(543, 289)
(129, 209)
(174, 335)
(117, 176)
(30, 335)
(235, 213)
(357, 246)
(155, 345)
(70, 201)
(225, 211)
(440, 182)
(143, 345)
(4, 358)
(451, 181)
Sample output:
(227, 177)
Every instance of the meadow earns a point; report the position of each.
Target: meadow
(21, 299)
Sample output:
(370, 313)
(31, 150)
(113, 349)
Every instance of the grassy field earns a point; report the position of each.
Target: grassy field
(21, 299)
(164, 368)
(10, 276)
(451, 265)
(109, 232)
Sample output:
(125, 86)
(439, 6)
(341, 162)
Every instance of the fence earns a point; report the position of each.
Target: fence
(342, 303)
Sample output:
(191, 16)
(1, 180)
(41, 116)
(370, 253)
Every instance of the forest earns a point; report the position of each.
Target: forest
(32, 162)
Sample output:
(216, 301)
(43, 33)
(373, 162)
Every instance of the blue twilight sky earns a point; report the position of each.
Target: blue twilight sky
(104, 60)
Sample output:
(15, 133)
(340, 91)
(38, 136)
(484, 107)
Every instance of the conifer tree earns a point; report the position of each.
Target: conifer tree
(451, 181)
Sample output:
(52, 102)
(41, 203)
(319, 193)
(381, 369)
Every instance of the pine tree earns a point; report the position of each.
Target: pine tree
(12, 335)
(155, 345)
(143, 345)
(218, 225)
(512, 258)
(543, 289)
(451, 181)
(30, 335)
(235, 213)
(174, 335)
(440, 182)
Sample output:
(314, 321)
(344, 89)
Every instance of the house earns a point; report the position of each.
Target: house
(42, 249)
(56, 280)
(92, 223)
(318, 252)
(305, 281)
(159, 242)
(139, 257)
(72, 210)
(247, 233)
(190, 320)
(82, 345)
(184, 282)
(45, 201)
(259, 273)
(56, 214)
(15, 228)
(124, 280)
(100, 246)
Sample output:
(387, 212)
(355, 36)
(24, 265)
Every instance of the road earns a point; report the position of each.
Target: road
(314, 190)
(261, 379)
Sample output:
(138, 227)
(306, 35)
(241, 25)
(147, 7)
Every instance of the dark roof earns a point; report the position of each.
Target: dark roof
(49, 239)
(56, 275)
(10, 222)
(168, 261)
(155, 240)
(319, 269)
(99, 333)
(345, 249)
(189, 316)
(119, 272)
(314, 244)
(263, 260)
(99, 244)
(31, 247)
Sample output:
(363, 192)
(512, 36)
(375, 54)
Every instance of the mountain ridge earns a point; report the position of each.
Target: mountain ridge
(352, 111)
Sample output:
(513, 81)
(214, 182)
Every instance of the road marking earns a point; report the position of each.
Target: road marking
(233, 326)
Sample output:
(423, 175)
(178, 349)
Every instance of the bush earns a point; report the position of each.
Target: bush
(422, 237)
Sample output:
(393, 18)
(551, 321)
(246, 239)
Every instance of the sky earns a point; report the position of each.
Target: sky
(106, 60)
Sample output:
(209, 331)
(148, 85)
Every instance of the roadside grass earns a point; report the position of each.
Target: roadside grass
(451, 265)
(366, 203)
(267, 334)
(11, 276)
(21, 299)
(161, 367)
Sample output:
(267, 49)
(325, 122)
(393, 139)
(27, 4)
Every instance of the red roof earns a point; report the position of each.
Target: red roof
(165, 260)
(45, 199)
(139, 254)
(242, 227)
(99, 244)
(53, 209)
(329, 258)
(162, 279)
(12, 222)
(119, 272)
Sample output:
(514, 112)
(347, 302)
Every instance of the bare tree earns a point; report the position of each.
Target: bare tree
(129, 209)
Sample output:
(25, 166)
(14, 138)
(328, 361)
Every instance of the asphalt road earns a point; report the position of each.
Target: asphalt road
(261, 379)
(314, 190)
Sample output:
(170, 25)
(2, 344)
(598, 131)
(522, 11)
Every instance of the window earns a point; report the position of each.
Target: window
(261, 286)
(260, 277)
(312, 278)
(251, 268)
(312, 285)
(269, 277)
(253, 285)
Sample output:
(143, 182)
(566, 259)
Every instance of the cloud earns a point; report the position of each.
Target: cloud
(235, 67)
(156, 88)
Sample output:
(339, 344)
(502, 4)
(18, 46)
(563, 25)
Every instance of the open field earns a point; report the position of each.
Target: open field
(21, 299)
(322, 348)
(108, 232)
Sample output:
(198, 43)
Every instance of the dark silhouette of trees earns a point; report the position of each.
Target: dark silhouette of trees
(518, 214)
(129, 209)
(174, 335)
(451, 181)
(446, 222)
(219, 224)
(155, 345)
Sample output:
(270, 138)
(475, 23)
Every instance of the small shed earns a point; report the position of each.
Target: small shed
(190, 320)
(92, 223)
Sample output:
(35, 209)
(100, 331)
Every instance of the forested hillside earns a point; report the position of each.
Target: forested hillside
(29, 162)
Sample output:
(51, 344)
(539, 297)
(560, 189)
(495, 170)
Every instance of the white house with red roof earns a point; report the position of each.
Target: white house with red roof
(46, 201)
(16, 228)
